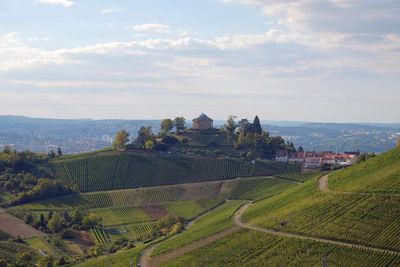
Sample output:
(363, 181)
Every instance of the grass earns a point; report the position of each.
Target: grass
(269, 188)
(213, 222)
(120, 259)
(185, 209)
(251, 248)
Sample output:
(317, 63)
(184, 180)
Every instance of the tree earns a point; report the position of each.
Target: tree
(166, 126)
(3, 263)
(231, 127)
(398, 142)
(23, 259)
(257, 125)
(54, 223)
(45, 262)
(28, 218)
(121, 139)
(59, 152)
(144, 134)
(76, 216)
(180, 124)
(91, 220)
(300, 149)
(149, 145)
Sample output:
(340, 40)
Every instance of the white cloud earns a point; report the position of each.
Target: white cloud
(151, 27)
(65, 3)
(110, 10)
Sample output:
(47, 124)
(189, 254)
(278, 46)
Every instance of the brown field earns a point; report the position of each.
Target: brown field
(16, 227)
(155, 211)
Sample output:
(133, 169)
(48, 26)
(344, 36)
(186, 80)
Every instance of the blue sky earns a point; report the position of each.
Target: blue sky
(309, 60)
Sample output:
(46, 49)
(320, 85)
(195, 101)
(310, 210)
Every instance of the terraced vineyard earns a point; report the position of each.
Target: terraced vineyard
(112, 170)
(251, 248)
(369, 219)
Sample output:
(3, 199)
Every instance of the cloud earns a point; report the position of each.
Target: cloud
(151, 27)
(65, 3)
(110, 10)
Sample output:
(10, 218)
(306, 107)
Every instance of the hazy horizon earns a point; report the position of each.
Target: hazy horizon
(294, 60)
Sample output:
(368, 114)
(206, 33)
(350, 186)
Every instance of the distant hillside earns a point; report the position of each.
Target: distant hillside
(116, 170)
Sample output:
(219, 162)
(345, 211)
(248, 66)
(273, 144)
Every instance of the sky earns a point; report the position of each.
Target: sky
(297, 60)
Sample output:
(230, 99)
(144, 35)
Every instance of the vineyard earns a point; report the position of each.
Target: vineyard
(99, 235)
(215, 192)
(141, 229)
(369, 219)
(250, 248)
(112, 170)
(213, 222)
(378, 175)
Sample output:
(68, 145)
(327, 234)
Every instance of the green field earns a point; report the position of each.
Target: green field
(120, 259)
(213, 222)
(251, 248)
(116, 170)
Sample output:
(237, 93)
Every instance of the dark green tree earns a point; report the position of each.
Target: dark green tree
(166, 126)
(59, 152)
(180, 124)
(231, 127)
(257, 125)
(144, 134)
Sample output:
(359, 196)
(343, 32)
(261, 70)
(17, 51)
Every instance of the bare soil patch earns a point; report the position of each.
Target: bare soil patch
(16, 227)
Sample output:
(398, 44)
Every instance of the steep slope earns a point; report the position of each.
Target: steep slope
(378, 175)
(357, 217)
(117, 170)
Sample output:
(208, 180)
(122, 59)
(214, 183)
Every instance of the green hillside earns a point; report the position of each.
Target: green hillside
(251, 248)
(117, 170)
(357, 217)
(379, 174)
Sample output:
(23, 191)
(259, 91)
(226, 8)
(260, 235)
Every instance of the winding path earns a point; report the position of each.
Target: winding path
(239, 222)
(147, 261)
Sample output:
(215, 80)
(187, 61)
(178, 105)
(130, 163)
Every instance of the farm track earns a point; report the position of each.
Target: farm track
(145, 259)
(16, 227)
(238, 222)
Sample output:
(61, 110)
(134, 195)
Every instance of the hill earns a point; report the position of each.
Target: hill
(117, 170)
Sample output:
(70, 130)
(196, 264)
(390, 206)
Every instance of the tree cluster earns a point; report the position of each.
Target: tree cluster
(62, 222)
(26, 177)
(246, 135)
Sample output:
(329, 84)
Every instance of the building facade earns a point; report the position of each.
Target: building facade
(203, 122)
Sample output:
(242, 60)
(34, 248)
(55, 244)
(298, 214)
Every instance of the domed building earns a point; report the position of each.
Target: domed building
(203, 122)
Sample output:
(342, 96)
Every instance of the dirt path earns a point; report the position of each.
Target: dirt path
(238, 222)
(145, 259)
(323, 183)
(16, 227)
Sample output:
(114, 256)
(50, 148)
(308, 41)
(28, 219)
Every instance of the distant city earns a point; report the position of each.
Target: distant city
(75, 136)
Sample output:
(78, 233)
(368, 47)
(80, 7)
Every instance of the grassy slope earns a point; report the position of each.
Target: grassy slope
(251, 248)
(380, 174)
(215, 221)
(359, 218)
(119, 259)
